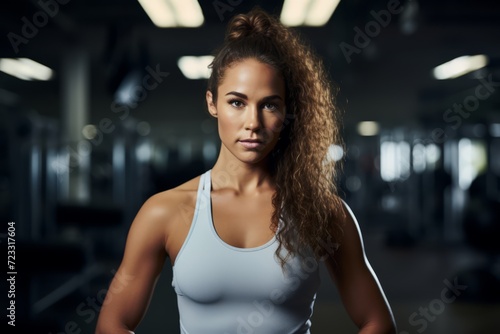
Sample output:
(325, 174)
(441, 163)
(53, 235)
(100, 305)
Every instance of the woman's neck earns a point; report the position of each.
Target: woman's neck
(240, 176)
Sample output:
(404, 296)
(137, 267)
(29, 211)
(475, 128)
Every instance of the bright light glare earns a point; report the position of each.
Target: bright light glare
(432, 154)
(194, 67)
(472, 161)
(388, 158)
(368, 128)
(394, 161)
(25, 69)
(173, 13)
(188, 13)
(459, 66)
(419, 158)
(335, 152)
(159, 12)
(89, 131)
(143, 152)
(320, 12)
(307, 12)
(293, 12)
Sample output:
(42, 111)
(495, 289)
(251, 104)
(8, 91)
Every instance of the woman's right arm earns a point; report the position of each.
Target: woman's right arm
(131, 289)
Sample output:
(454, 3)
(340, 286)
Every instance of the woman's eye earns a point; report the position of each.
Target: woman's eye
(236, 103)
(270, 106)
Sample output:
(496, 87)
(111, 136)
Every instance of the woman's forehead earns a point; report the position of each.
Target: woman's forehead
(252, 76)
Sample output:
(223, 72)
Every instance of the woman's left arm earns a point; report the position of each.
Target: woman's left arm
(357, 283)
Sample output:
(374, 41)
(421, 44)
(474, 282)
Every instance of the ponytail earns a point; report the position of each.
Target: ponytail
(306, 200)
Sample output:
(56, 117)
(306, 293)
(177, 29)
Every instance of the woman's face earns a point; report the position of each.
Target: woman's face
(250, 109)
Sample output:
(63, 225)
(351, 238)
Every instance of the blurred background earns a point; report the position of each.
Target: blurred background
(102, 105)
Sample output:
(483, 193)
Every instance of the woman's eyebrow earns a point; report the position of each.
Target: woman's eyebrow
(243, 96)
(273, 97)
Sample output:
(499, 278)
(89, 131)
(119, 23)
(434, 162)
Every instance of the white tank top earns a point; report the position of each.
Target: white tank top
(222, 289)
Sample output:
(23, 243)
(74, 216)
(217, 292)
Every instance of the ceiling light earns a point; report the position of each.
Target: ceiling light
(307, 12)
(173, 13)
(294, 12)
(188, 13)
(320, 12)
(195, 67)
(159, 12)
(25, 69)
(368, 128)
(459, 66)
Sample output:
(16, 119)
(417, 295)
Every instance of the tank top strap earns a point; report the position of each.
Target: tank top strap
(199, 196)
(203, 206)
(207, 184)
(201, 186)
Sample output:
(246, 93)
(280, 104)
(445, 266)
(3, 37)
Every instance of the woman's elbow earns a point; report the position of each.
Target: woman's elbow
(379, 327)
(108, 330)
(104, 327)
(389, 329)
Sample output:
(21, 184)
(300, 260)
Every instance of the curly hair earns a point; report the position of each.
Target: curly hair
(305, 200)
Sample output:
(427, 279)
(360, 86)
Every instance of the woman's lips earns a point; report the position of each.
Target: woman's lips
(250, 144)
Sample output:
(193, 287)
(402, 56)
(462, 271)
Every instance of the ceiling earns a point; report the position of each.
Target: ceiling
(389, 80)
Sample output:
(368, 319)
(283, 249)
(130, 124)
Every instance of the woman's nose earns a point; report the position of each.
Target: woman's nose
(252, 118)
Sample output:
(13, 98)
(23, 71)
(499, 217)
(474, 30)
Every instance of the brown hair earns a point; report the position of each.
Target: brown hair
(306, 193)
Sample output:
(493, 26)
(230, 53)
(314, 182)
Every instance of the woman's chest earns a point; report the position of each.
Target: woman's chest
(208, 277)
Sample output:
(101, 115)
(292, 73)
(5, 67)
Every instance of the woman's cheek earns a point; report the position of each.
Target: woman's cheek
(275, 127)
(227, 126)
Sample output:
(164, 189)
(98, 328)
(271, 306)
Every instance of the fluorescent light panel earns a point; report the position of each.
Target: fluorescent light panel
(368, 128)
(195, 67)
(188, 13)
(25, 69)
(459, 66)
(307, 12)
(320, 12)
(173, 13)
(294, 12)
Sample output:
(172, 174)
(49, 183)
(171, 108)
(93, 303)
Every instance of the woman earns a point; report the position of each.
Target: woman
(246, 238)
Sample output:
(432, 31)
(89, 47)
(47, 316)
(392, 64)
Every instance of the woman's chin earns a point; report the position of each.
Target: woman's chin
(252, 159)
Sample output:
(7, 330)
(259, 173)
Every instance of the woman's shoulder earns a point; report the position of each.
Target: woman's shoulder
(173, 211)
(168, 200)
(162, 218)
(165, 212)
(172, 205)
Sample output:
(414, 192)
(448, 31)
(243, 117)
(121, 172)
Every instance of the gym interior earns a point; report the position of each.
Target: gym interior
(102, 107)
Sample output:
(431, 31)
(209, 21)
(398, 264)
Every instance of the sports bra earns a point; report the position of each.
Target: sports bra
(223, 289)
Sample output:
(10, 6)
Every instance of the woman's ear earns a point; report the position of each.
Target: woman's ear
(212, 109)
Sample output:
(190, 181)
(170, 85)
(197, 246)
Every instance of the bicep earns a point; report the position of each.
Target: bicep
(132, 286)
(354, 277)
